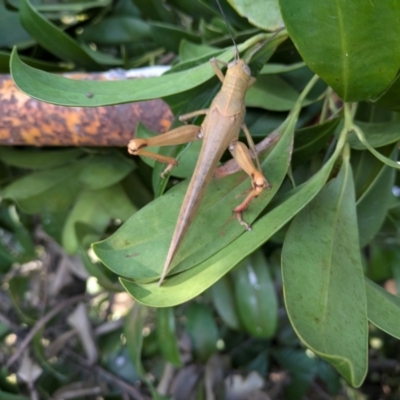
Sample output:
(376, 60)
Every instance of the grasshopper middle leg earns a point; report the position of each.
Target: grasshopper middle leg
(180, 135)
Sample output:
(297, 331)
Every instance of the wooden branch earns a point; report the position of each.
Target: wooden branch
(27, 121)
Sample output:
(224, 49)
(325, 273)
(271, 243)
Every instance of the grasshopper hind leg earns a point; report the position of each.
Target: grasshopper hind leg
(241, 154)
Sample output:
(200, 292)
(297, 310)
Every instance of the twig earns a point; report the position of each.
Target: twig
(320, 392)
(41, 323)
(108, 327)
(73, 394)
(111, 299)
(166, 379)
(279, 382)
(128, 388)
(384, 364)
(32, 391)
(133, 392)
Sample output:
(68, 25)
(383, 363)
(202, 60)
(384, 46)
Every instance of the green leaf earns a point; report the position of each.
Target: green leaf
(353, 46)
(16, 244)
(310, 140)
(196, 9)
(133, 327)
(392, 259)
(4, 331)
(7, 259)
(377, 134)
(260, 122)
(40, 355)
(382, 261)
(38, 159)
(149, 232)
(377, 154)
(374, 183)
(155, 10)
(52, 190)
(102, 58)
(72, 7)
(264, 14)
(166, 336)
(272, 93)
(370, 113)
(75, 7)
(117, 30)
(10, 396)
(22, 234)
(169, 36)
(63, 91)
(214, 31)
(105, 170)
(183, 287)
(18, 289)
(53, 223)
(273, 68)
(202, 329)
(125, 7)
(390, 98)
(323, 278)
(255, 296)
(224, 302)
(190, 51)
(302, 368)
(5, 57)
(394, 212)
(96, 208)
(383, 308)
(11, 30)
(86, 210)
(86, 235)
(366, 168)
(53, 39)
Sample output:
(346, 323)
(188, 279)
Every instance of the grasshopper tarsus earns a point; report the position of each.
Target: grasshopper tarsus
(239, 217)
(168, 169)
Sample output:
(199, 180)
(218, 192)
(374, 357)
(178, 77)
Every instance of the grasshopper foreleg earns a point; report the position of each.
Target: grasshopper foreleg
(192, 114)
(241, 154)
(214, 63)
(251, 144)
(180, 135)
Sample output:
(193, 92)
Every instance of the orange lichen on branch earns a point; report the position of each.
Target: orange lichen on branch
(27, 121)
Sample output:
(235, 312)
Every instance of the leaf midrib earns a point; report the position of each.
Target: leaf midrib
(334, 226)
(344, 50)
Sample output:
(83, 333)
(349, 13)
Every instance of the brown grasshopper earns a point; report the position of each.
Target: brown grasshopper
(219, 131)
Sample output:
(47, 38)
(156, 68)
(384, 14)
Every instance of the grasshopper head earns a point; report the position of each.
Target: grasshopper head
(239, 65)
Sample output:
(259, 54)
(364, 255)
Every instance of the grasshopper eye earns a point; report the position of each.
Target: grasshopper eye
(246, 69)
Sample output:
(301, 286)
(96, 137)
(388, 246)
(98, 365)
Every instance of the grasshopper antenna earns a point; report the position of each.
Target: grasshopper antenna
(229, 30)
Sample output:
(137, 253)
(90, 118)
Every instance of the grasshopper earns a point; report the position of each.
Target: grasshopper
(219, 131)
